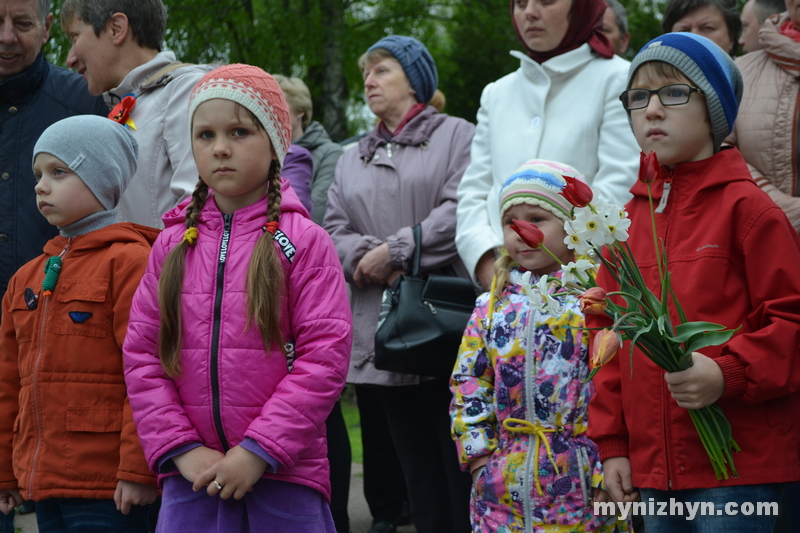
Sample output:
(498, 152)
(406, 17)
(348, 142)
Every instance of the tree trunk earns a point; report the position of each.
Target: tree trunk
(334, 86)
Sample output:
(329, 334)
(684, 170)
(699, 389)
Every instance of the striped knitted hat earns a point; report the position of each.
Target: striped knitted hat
(539, 182)
(256, 91)
(706, 65)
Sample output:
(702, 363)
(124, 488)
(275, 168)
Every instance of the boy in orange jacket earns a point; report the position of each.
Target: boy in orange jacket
(67, 436)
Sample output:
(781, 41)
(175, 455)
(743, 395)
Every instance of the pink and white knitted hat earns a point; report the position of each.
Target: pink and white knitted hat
(254, 89)
(539, 182)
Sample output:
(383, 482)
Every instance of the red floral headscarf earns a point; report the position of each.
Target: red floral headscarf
(585, 24)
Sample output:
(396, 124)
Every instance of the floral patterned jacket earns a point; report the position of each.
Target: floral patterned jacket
(519, 398)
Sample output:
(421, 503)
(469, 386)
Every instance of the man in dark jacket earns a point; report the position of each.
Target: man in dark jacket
(33, 95)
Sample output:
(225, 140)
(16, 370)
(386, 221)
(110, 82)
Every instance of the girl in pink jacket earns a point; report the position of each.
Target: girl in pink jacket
(240, 332)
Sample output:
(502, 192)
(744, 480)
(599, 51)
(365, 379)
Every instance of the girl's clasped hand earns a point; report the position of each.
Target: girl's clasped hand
(225, 475)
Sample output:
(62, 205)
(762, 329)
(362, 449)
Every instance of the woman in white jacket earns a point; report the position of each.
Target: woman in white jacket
(562, 104)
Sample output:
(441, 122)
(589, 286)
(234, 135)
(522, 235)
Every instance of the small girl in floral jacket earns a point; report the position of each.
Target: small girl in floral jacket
(519, 409)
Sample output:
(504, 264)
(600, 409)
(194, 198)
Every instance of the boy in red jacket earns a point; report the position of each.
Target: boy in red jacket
(734, 261)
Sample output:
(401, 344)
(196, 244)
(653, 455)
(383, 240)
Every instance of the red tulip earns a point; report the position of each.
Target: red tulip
(593, 301)
(577, 192)
(122, 110)
(649, 169)
(528, 232)
(606, 344)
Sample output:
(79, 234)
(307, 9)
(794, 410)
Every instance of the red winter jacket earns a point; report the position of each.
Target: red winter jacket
(735, 260)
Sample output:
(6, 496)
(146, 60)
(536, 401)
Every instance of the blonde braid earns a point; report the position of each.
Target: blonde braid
(170, 287)
(502, 272)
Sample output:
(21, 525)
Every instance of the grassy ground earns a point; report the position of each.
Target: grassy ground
(350, 411)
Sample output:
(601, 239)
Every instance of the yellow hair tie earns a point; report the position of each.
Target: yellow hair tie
(190, 235)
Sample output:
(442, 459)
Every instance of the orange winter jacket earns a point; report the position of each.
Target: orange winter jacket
(66, 427)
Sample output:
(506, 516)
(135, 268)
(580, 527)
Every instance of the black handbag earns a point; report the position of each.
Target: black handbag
(423, 320)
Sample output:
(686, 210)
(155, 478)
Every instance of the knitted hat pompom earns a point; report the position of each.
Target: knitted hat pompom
(256, 91)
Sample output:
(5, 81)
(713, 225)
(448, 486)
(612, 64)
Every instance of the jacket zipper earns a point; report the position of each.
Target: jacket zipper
(530, 410)
(35, 382)
(665, 195)
(664, 391)
(795, 139)
(216, 402)
(34, 386)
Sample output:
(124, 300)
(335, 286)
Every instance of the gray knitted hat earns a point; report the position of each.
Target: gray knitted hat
(99, 151)
(416, 61)
(706, 65)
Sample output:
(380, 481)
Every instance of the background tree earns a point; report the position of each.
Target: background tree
(320, 41)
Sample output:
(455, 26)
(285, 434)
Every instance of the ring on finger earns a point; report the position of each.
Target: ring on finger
(217, 485)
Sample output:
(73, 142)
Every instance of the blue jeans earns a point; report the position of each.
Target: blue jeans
(7, 522)
(736, 509)
(80, 515)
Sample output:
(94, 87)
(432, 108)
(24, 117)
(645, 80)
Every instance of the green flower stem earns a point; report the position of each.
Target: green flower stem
(543, 247)
(621, 293)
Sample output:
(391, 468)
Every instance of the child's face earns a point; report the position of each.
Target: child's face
(61, 196)
(232, 154)
(538, 261)
(93, 56)
(678, 133)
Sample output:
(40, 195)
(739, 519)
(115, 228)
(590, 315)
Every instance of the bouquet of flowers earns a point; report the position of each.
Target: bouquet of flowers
(642, 318)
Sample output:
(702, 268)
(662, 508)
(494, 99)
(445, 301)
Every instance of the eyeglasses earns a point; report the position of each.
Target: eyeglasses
(677, 94)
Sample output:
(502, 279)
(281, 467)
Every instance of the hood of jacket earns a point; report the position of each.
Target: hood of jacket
(784, 51)
(289, 203)
(121, 233)
(725, 167)
(417, 131)
(313, 137)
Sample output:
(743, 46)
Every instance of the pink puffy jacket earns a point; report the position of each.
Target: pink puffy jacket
(230, 388)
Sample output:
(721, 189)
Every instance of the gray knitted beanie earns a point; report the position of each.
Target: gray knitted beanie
(416, 61)
(99, 151)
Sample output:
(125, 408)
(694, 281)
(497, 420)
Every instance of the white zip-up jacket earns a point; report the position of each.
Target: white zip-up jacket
(166, 172)
(566, 109)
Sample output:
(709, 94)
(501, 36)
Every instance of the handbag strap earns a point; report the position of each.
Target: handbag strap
(417, 231)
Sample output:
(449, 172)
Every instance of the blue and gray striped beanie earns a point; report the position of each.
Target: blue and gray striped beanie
(706, 65)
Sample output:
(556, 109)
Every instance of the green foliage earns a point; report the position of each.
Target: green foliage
(644, 22)
(320, 41)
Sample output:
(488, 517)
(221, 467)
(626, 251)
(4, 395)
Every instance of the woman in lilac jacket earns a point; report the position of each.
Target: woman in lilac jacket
(405, 172)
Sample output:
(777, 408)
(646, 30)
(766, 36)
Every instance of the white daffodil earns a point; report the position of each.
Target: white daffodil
(575, 241)
(591, 227)
(574, 271)
(615, 220)
(549, 304)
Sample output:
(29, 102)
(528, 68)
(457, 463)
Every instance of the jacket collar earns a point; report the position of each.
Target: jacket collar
(137, 79)
(313, 136)
(418, 130)
(563, 64)
(123, 232)
(25, 84)
(690, 181)
(784, 51)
